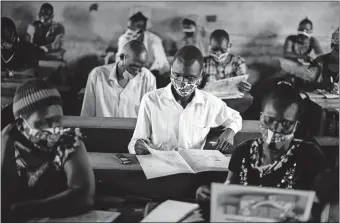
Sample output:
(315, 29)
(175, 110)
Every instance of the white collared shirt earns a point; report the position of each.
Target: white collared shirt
(104, 97)
(156, 53)
(163, 121)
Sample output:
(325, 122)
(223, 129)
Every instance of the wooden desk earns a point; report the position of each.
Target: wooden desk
(240, 104)
(114, 178)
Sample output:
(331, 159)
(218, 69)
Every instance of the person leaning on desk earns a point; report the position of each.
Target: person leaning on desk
(277, 159)
(17, 57)
(180, 116)
(45, 170)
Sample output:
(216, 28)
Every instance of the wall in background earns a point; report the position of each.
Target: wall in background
(257, 29)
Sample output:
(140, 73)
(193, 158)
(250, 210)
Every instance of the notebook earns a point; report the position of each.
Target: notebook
(164, 163)
(171, 211)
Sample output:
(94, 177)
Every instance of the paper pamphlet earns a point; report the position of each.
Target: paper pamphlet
(226, 88)
(327, 94)
(92, 216)
(171, 211)
(236, 203)
(164, 163)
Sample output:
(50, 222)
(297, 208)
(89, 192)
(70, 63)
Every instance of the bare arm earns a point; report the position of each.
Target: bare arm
(317, 47)
(287, 50)
(76, 199)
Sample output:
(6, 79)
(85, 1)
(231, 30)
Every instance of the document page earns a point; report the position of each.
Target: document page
(171, 211)
(163, 164)
(205, 160)
(226, 88)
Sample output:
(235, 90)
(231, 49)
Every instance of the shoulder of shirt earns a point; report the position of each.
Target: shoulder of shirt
(209, 98)
(103, 70)
(154, 95)
(147, 73)
(308, 145)
(153, 36)
(292, 37)
(7, 130)
(236, 58)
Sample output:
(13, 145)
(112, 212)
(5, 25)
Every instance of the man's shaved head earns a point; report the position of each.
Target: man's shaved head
(189, 55)
(134, 47)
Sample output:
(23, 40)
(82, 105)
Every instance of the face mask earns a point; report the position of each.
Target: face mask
(221, 58)
(303, 33)
(273, 137)
(44, 139)
(133, 34)
(184, 89)
(189, 30)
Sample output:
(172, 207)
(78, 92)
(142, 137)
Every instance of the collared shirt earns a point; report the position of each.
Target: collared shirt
(232, 67)
(163, 121)
(157, 59)
(104, 97)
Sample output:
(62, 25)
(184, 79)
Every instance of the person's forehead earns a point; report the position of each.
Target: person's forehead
(288, 113)
(46, 113)
(306, 25)
(218, 43)
(179, 67)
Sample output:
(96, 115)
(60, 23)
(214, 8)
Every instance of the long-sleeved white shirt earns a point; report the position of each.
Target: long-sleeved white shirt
(104, 97)
(157, 59)
(163, 121)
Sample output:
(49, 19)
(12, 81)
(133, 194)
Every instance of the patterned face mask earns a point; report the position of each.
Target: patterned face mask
(270, 136)
(183, 89)
(44, 139)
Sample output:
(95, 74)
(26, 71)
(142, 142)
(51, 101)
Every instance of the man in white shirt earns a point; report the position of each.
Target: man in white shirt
(157, 60)
(180, 116)
(115, 90)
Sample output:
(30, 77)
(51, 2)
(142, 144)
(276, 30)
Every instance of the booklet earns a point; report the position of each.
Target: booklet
(236, 203)
(226, 88)
(164, 163)
(171, 211)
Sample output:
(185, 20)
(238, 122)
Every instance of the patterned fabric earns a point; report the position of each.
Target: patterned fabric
(33, 163)
(233, 66)
(32, 96)
(335, 37)
(51, 37)
(256, 160)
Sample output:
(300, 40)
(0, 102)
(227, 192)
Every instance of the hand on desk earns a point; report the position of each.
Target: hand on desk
(244, 87)
(225, 141)
(203, 194)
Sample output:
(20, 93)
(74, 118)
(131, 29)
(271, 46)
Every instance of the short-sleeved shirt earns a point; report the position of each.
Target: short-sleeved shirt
(28, 172)
(297, 170)
(232, 67)
(24, 57)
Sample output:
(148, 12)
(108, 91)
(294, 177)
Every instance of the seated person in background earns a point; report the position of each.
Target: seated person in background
(297, 48)
(180, 116)
(136, 30)
(324, 70)
(276, 159)
(16, 55)
(116, 90)
(191, 35)
(45, 33)
(221, 64)
(45, 169)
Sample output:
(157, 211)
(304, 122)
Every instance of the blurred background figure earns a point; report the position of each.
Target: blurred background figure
(136, 30)
(46, 33)
(192, 35)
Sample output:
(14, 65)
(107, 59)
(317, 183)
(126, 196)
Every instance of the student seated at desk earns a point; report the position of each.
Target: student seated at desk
(16, 56)
(45, 33)
(221, 64)
(45, 169)
(276, 159)
(116, 90)
(298, 48)
(136, 30)
(324, 70)
(180, 116)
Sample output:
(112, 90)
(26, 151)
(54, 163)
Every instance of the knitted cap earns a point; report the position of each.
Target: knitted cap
(335, 37)
(32, 96)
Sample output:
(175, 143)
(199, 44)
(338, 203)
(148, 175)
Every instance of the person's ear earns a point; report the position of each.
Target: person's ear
(20, 124)
(52, 16)
(121, 57)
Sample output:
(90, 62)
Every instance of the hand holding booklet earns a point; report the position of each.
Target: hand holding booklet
(226, 88)
(164, 163)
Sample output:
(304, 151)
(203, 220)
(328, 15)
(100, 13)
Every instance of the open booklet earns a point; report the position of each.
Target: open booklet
(226, 88)
(164, 163)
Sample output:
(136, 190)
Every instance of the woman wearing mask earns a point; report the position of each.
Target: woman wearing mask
(276, 159)
(45, 169)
